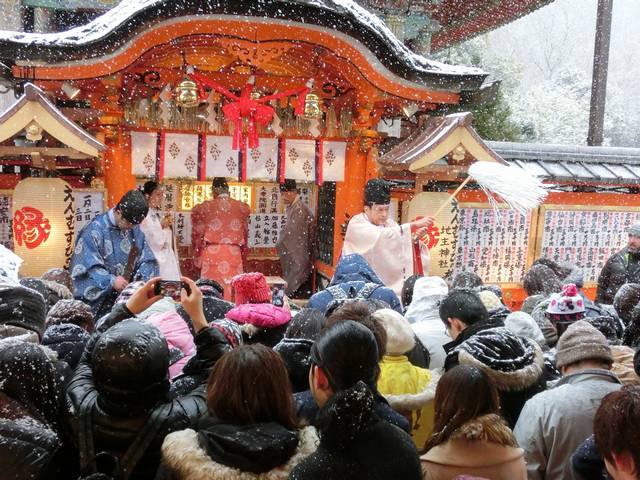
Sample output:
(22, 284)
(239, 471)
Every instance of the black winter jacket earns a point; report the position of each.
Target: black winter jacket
(356, 444)
(113, 432)
(622, 267)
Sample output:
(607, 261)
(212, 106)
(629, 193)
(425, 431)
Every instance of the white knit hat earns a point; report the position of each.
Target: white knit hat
(400, 337)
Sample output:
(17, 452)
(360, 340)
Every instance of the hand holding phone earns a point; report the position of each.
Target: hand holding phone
(171, 288)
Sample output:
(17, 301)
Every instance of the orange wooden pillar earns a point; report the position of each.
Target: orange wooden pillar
(350, 193)
(117, 168)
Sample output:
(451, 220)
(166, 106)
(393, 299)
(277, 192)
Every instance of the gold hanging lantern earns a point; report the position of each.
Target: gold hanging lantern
(187, 94)
(312, 108)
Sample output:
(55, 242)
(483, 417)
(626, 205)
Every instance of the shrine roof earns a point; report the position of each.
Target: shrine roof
(110, 33)
(571, 163)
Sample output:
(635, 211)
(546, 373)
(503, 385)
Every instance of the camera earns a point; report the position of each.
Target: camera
(170, 288)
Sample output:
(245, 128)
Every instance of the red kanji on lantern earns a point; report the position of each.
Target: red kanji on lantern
(432, 237)
(31, 227)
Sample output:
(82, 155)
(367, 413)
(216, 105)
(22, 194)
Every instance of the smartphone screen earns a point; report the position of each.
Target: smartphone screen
(277, 294)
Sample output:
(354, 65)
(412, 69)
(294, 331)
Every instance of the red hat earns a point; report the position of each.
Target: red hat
(251, 288)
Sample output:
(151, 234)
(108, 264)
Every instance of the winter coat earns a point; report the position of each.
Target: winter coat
(352, 275)
(356, 444)
(548, 328)
(622, 267)
(410, 391)
(115, 427)
(553, 423)
(219, 451)
(67, 340)
(623, 365)
(179, 339)
(514, 363)
(425, 319)
(307, 410)
(484, 447)
(29, 446)
(263, 323)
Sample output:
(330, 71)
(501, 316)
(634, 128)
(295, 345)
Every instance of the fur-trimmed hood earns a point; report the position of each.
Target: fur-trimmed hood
(487, 428)
(183, 455)
(413, 401)
(514, 363)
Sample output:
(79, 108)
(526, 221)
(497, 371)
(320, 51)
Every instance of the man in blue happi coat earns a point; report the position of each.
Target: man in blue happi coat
(104, 261)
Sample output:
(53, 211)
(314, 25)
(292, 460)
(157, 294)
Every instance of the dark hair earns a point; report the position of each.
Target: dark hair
(465, 306)
(466, 279)
(307, 323)
(561, 271)
(149, 187)
(407, 290)
(358, 311)
(250, 384)
(541, 280)
(615, 424)
(463, 393)
(347, 353)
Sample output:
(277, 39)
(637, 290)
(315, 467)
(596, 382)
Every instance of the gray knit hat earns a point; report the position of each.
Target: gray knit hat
(634, 229)
(580, 342)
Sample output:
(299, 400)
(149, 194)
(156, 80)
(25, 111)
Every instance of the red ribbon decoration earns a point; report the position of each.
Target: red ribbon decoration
(243, 106)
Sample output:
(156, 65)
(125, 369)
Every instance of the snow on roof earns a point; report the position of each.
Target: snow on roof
(118, 16)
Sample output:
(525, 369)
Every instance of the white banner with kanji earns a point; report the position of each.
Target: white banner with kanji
(182, 228)
(262, 162)
(180, 155)
(333, 161)
(144, 147)
(222, 159)
(300, 160)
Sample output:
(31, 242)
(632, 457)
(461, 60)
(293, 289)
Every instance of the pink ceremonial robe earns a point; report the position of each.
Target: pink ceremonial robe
(219, 238)
(388, 249)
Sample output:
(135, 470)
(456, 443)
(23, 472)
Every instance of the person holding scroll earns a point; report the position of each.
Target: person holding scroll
(219, 235)
(386, 246)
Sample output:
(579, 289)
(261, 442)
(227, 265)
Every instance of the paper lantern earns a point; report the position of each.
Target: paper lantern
(43, 224)
(442, 236)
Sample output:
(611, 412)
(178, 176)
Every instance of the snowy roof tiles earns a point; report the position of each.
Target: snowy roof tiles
(111, 31)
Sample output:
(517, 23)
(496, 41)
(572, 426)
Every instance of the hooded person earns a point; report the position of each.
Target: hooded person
(67, 340)
(354, 441)
(22, 313)
(386, 246)
(262, 322)
(30, 410)
(111, 251)
(523, 325)
(354, 278)
(425, 321)
(179, 339)
(410, 390)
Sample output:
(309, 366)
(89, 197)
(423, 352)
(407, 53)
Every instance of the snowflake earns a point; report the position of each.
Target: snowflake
(148, 162)
(256, 154)
(190, 163)
(214, 150)
(174, 150)
(306, 168)
(293, 155)
(330, 157)
(270, 165)
(231, 165)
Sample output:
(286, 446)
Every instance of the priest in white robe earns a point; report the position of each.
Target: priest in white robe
(385, 245)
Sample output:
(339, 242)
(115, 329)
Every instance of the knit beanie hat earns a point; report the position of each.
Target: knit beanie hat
(400, 337)
(251, 288)
(22, 307)
(489, 299)
(230, 329)
(71, 311)
(581, 341)
(569, 302)
(133, 206)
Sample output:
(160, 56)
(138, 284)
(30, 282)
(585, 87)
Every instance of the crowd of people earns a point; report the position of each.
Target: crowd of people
(106, 378)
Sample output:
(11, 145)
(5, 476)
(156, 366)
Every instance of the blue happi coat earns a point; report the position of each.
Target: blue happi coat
(101, 254)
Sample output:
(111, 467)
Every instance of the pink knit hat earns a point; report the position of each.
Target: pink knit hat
(251, 288)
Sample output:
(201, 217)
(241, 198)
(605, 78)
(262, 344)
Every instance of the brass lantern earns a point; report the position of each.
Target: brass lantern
(187, 94)
(312, 108)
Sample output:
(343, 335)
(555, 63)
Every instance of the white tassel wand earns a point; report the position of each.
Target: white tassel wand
(517, 188)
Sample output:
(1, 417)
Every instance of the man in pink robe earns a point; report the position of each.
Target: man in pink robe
(386, 246)
(219, 236)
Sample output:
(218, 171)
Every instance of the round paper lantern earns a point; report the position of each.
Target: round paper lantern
(43, 224)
